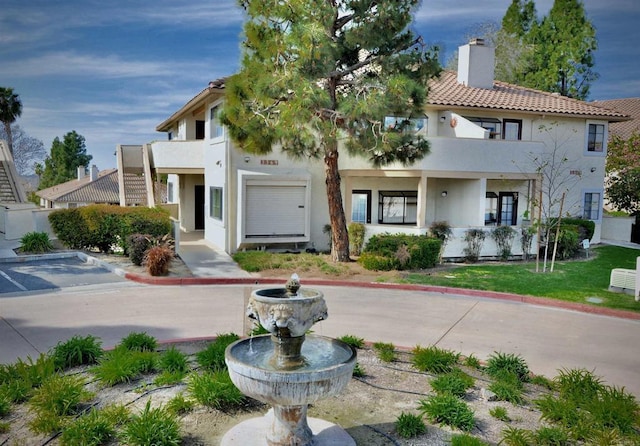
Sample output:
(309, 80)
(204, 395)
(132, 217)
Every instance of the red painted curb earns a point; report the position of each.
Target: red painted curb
(532, 300)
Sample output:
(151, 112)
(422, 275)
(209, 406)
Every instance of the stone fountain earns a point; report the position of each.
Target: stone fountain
(288, 370)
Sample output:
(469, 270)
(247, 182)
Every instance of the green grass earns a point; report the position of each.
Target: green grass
(572, 281)
(409, 425)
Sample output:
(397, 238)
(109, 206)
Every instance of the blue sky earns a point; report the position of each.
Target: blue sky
(114, 70)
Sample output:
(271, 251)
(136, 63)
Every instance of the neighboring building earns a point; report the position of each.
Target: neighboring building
(627, 106)
(94, 188)
(484, 135)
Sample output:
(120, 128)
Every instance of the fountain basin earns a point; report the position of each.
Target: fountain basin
(327, 369)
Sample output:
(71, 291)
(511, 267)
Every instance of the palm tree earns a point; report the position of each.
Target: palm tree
(10, 110)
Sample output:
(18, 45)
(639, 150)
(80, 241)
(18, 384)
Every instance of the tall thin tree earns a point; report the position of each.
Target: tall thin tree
(320, 76)
(10, 110)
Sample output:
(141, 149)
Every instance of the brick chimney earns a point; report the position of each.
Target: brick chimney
(476, 64)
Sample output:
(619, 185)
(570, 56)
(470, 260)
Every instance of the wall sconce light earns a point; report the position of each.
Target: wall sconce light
(444, 193)
(593, 169)
(443, 118)
(247, 159)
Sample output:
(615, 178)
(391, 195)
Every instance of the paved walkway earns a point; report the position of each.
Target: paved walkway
(548, 337)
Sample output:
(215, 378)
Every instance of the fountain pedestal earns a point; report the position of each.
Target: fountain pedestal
(289, 371)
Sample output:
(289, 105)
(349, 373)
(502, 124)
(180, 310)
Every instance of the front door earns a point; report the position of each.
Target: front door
(199, 207)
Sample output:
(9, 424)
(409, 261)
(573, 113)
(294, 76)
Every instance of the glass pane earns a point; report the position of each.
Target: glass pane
(393, 209)
(359, 208)
(512, 131)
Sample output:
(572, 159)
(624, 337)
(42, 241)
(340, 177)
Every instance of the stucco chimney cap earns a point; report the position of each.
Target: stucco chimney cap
(476, 41)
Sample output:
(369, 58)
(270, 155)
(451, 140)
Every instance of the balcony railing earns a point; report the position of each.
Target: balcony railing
(178, 154)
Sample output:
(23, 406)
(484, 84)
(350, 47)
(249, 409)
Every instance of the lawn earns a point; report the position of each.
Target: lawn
(581, 280)
(574, 281)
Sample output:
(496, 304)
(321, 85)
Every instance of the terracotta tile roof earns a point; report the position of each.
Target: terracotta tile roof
(628, 106)
(103, 189)
(447, 92)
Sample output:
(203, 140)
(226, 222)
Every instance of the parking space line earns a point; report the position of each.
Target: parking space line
(19, 285)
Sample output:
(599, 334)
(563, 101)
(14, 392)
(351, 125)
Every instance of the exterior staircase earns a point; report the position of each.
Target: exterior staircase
(10, 188)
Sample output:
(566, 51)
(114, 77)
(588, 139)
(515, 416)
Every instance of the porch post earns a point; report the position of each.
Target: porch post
(482, 190)
(422, 201)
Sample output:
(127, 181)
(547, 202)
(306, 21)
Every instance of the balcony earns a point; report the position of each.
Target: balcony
(178, 156)
(471, 155)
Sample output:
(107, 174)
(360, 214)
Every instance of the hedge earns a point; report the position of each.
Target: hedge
(103, 227)
(387, 251)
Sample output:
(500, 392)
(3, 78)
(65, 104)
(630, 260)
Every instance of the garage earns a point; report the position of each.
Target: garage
(276, 211)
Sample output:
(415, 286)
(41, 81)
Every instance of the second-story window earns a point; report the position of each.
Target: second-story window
(216, 129)
(492, 124)
(595, 141)
(512, 129)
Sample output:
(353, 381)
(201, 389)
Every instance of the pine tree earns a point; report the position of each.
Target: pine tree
(65, 158)
(563, 58)
(519, 18)
(320, 76)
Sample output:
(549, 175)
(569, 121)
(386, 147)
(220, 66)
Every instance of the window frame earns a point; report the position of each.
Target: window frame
(506, 121)
(216, 210)
(599, 204)
(604, 135)
(404, 195)
(216, 130)
(367, 219)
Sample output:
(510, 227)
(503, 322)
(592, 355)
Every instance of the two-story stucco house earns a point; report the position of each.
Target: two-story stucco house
(488, 140)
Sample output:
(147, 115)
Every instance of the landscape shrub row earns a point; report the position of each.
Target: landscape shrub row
(104, 227)
(386, 252)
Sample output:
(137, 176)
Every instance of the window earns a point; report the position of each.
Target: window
(216, 129)
(170, 135)
(512, 130)
(397, 207)
(215, 202)
(361, 206)
(491, 209)
(501, 208)
(417, 126)
(595, 141)
(492, 124)
(591, 209)
(170, 192)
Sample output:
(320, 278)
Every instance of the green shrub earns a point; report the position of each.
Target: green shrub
(434, 359)
(121, 365)
(179, 405)
(455, 382)
(353, 341)
(423, 252)
(503, 236)
(584, 228)
(155, 427)
(614, 408)
(36, 242)
(507, 362)
(76, 351)
(70, 227)
(173, 360)
(137, 246)
(55, 401)
(5, 404)
(551, 436)
(157, 260)
(568, 241)
(409, 425)
(513, 436)
(214, 389)
(212, 357)
(386, 351)
(139, 341)
(466, 440)
(356, 238)
(358, 371)
(507, 387)
(448, 409)
(377, 262)
(91, 429)
(473, 362)
(499, 413)
(474, 239)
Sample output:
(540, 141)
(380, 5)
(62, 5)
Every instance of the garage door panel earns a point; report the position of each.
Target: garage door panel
(275, 211)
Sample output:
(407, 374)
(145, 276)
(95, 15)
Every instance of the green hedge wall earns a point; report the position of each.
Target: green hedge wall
(383, 252)
(103, 227)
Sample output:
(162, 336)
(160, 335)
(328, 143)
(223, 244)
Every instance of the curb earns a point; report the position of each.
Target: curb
(186, 281)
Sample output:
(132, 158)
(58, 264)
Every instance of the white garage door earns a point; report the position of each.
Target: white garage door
(275, 211)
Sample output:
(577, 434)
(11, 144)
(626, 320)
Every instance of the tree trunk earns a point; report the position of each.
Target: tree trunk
(339, 234)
